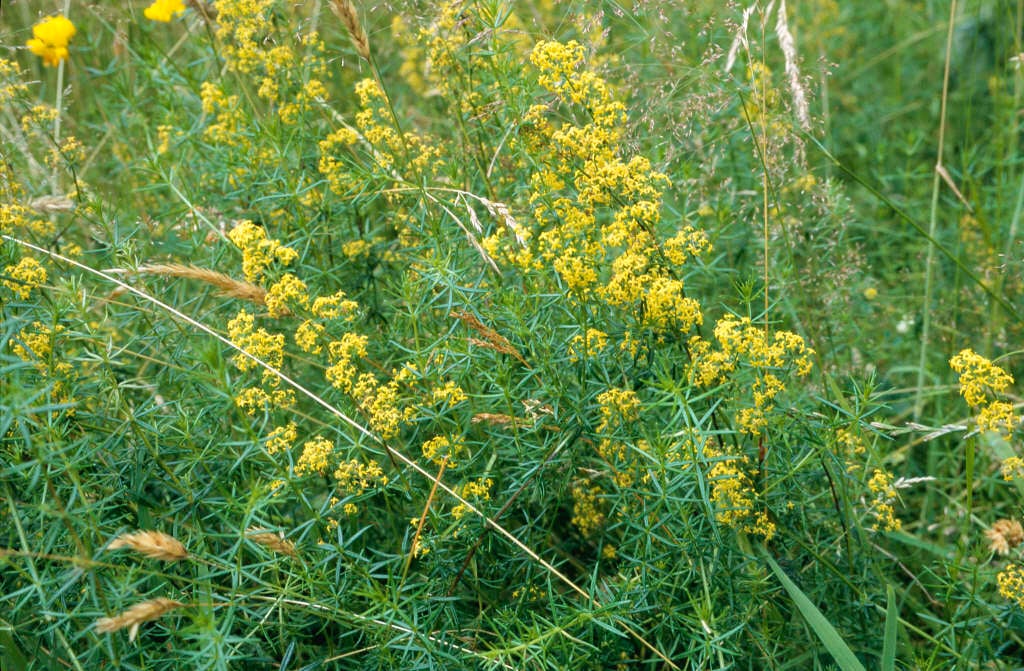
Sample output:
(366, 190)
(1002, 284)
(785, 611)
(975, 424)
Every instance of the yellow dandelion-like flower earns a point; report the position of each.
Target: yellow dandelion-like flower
(50, 38)
(164, 10)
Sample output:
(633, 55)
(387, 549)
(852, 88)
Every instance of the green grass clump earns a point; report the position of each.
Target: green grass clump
(503, 335)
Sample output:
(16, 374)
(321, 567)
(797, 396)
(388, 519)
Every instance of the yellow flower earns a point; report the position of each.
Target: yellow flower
(164, 10)
(50, 38)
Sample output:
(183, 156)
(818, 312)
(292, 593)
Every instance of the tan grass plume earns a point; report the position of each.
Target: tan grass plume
(152, 544)
(272, 541)
(228, 285)
(346, 11)
(136, 615)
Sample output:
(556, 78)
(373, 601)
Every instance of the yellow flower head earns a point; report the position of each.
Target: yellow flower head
(164, 10)
(50, 38)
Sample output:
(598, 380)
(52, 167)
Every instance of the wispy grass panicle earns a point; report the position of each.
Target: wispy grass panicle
(796, 87)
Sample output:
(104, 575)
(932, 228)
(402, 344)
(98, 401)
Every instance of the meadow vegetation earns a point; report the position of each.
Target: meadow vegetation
(475, 334)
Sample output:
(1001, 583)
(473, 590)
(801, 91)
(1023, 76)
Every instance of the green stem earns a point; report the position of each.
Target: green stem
(933, 224)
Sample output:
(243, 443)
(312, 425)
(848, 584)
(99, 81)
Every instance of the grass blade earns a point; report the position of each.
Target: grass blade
(828, 635)
(10, 654)
(892, 618)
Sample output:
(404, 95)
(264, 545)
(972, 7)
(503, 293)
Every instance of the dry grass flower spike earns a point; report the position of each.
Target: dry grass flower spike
(346, 11)
(152, 544)
(272, 541)
(136, 615)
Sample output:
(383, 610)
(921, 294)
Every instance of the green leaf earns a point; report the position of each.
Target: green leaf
(892, 619)
(10, 654)
(828, 635)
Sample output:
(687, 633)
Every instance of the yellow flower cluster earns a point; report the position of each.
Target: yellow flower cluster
(286, 293)
(881, 506)
(589, 345)
(474, 490)
(355, 477)
(256, 341)
(228, 118)
(258, 251)
(35, 344)
(1011, 584)
(315, 457)
(450, 393)
(25, 276)
(380, 404)
(267, 347)
(308, 336)
(391, 147)
(11, 85)
(597, 213)
(587, 509)
(342, 372)
(618, 406)
(1012, 468)
(441, 448)
(733, 495)
(335, 306)
(247, 34)
(742, 342)
(282, 438)
(981, 379)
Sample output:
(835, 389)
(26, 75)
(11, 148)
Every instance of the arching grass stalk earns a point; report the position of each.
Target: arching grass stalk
(488, 522)
(932, 223)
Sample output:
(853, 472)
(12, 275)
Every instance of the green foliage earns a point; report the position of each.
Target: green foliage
(548, 336)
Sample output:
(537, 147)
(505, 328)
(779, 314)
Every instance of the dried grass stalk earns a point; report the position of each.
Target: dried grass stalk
(50, 204)
(275, 542)
(136, 615)
(496, 419)
(152, 544)
(491, 338)
(207, 11)
(228, 285)
(346, 11)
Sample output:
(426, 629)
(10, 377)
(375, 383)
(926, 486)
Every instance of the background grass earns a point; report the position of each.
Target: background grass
(624, 555)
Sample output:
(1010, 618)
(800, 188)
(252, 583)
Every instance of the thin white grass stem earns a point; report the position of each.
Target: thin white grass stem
(348, 420)
(933, 224)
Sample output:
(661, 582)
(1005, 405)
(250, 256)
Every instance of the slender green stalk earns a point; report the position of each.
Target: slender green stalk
(929, 267)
